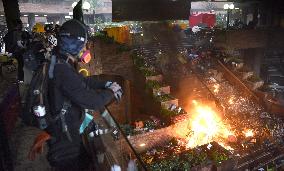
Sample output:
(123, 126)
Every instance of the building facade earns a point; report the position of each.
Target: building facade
(58, 11)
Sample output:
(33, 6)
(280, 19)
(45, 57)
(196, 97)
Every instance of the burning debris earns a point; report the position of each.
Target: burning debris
(204, 126)
(221, 115)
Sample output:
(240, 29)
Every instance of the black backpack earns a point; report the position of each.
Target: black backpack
(9, 40)
(60, 151)
(36, 96)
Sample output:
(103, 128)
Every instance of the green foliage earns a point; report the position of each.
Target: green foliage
(130, 129)
(138, 61)
(172, 156)
(150, 125)
(168, 113)
(152, 84)
(175, 162)
(127, 129)
(104, 37)
(219, 22)
(141, 65)
(122, 48)
(234, 59)
(164, 98)
(218, 157)
(254, 78)
(98, 20)
(147, 72)
(199, 158)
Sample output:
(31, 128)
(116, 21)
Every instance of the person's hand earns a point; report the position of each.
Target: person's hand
(108, 83)
(38, 145)
(116, 89)
(118, 95)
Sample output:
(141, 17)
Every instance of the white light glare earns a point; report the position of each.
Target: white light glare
(229, 6)
(232, 6)
(86, 6)
(226, 6)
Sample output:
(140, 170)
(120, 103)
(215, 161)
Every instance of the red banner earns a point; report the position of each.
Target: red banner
(202, 19)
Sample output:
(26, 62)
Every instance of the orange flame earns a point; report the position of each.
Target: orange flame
(248, 133)
(203, 126)
(231, 100)
(216, 88)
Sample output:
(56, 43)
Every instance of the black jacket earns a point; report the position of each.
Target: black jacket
(84, 93)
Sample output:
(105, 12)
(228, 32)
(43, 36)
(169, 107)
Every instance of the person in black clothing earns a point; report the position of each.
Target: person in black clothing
(66, 84)
(20, 46)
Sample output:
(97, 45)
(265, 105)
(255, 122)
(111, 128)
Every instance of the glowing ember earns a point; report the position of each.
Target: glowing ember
(248, 133)
(204, 126)
(231, 100)
(216, 88)
(225, 146)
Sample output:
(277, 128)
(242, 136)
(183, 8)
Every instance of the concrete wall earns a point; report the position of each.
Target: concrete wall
(115, 66)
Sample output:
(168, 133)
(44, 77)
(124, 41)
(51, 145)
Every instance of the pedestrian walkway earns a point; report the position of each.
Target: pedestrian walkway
(21, 140)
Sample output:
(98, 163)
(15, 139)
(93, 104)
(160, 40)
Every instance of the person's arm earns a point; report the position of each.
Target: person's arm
(94, 82)
(74, 88)
(19, 43)
(18, 35)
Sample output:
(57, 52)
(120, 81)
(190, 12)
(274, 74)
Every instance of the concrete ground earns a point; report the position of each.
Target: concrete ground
(22, 137)
(21, 142)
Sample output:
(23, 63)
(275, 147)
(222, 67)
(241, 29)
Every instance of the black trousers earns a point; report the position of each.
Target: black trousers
(19, 57)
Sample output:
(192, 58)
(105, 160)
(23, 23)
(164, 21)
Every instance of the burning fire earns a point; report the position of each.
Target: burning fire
(216, 88)
(204, 126)
(248, 133)
(231, 100)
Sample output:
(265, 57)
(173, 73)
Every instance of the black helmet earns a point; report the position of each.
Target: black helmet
(73, 28)
(72, 37)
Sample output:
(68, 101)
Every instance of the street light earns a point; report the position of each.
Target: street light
(228, 7)
(232, 6)
(86, 5)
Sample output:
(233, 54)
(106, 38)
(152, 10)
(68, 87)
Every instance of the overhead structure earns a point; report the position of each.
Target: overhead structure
(149, 10)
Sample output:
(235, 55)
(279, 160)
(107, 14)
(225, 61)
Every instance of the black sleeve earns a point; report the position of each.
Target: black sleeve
(94, 82)
(74, 88)
(17, 36)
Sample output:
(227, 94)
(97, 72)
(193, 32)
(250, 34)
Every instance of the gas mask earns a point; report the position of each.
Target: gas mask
(85, 56)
